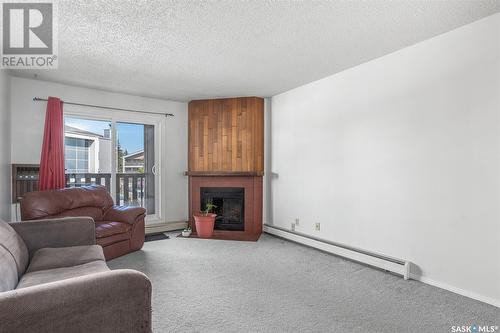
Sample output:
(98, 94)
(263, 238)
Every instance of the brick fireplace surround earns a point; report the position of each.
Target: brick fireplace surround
(226, 149)
(253, 203)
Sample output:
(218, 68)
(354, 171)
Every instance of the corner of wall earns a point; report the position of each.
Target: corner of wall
(268, 202)
(5, 147)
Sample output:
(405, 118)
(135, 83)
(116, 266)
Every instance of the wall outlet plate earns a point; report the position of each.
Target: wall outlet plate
(317, 226)
(296, 221)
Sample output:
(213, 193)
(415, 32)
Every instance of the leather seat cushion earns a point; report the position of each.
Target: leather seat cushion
(108, 228)
(50, 258)
(105, 241)
(58, 274)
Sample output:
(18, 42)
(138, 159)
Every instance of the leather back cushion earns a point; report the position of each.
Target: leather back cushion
(94, 212)
(91, 201)
(14, 257)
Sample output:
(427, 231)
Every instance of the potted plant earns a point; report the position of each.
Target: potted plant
(186, 232)
(205, 220)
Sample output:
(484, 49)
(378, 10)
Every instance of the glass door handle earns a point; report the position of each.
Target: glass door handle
(153, 169)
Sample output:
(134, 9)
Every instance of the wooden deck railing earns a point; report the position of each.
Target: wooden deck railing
(129, 186)
(84, 179)
(130, 189)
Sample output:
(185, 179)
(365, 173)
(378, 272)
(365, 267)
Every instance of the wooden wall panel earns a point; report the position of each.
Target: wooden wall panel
(226, 135)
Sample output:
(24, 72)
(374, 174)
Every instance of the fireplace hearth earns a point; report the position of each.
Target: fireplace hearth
(230, 210)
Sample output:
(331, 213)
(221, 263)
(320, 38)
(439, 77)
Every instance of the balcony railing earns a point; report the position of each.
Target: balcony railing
(85, 179)
(130, 187)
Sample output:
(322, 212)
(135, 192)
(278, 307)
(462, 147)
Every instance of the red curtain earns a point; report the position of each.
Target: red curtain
(52, 159)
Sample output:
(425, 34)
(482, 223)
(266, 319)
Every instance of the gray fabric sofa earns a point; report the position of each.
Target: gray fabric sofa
(53, 278)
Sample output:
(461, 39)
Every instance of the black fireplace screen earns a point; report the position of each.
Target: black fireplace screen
(230, 202)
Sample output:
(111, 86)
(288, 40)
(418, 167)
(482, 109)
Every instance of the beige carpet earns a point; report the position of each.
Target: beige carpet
(277, 286)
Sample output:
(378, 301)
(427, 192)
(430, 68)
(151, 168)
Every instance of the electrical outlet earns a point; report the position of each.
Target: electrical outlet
(293, 227)
(296, 221)
(317, 226)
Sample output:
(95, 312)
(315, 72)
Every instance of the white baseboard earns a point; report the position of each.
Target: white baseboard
(398, 266)
(165, 226)
(456, 290)
(318, 244)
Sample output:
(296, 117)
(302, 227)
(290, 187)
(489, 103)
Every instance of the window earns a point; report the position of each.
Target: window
(76, 152)
(87, 152)
(115, 154)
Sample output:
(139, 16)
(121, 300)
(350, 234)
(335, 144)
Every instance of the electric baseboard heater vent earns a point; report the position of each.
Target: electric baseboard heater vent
(398, 266)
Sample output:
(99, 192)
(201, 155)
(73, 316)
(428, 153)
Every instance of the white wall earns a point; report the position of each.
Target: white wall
(400, 156)
(266, 186)
(4, 146)
(28, 118)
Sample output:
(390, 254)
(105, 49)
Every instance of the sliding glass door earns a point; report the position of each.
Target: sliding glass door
(135, 165)
(120, 155)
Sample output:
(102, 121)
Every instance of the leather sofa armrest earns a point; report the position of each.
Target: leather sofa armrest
(124, 214)
(124, 294)
(62, 232)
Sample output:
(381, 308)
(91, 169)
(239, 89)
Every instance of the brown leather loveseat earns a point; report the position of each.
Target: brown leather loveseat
(119, 230)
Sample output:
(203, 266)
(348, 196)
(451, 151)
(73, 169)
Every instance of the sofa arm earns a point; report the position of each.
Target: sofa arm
(63, 232)
(114, 301)
(124, 214)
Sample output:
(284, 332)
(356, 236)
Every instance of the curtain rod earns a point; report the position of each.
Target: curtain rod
(38, 99)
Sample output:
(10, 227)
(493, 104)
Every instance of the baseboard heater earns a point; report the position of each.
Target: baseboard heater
(398, 266)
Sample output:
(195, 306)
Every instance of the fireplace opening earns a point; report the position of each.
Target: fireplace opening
(230, 202)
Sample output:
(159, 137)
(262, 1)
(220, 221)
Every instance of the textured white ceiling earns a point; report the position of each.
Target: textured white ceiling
(184, 50)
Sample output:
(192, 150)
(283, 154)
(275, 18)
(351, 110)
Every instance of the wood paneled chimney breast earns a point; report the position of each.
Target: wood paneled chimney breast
(226, 135)
(226, 150)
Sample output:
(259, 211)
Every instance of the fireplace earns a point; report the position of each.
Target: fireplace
(226, 164)
(230, 210)
(239, 201)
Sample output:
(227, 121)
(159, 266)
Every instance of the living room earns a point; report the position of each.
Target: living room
(253, 166)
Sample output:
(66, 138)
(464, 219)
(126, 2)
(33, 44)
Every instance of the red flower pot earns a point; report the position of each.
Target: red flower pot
(204, 225)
